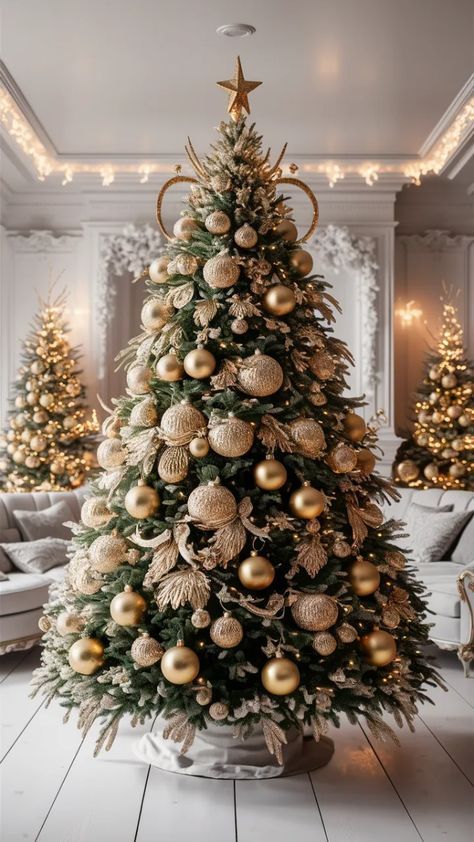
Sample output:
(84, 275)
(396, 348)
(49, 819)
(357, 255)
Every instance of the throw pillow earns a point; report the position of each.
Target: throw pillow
(463, 552)
(47, 523)
(433, 533)
(37, 556)
(406, 544)
(7, 535)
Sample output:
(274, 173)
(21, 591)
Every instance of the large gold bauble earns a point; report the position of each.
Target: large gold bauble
(279, 300)
(40, 417)
(38, 443)
(464, 420)
(454, 411)
(185, 264)
(354, 427)
(301, 261)
(69, 623)
(200, 618)
(437, 417)
(199, 363)
(231, 437)
(158, 270)
(246, 237)
(174, 464)
(434, 373)
(366, 460)
(431, 471)
(199, 447)
(86, 655)
(128, 607)
(449, 381)
(260, 375)
(280, 676)
(256, 572)
(457, 445)
(169, 368)
(378, 647)
(457, 470)
(324, 643)
(364, 577)
(111, 454)
(308, 436)
(306, 502)
(342, 458)
(142, 501)
(180, 664)
(155, 314)
(94, 512)
(221, 271)
(270, 474)
(32, 462)
(181, 421)
(315, 612)
(19, 457)
(138, 379)
(322, 365)
(217, 223)
(146, 651)
(47, 399)
(185, 227)
(107, 553)
(212, 506)
(20, 402)
(144, 414)
(287, 230)
(226, 632)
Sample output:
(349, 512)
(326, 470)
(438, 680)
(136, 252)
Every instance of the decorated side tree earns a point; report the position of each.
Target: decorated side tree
(51, 437)
(231, 565)
(439, 453)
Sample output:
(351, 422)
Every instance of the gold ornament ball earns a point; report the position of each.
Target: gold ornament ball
(221, 271)
(128, 607)
(422, 439)
(38, 443)
(378, 647)
(142, 501)
(94, 512)
(270, 474)
(69, 422)
(433, 398)
(280, 676)
(408, 471)
(354, 427)
(169, 368)
(20, 402)
(69, 623)
(448, 453)
(146, 651)
(37, 367)
(186, 264)
(174, 464)
(301, 261)
(431, 471)
(45, 400)
(57, 467)
(40, 417)
(200, 618)
(464, 420)
(226, 632)
(138, 379)
(181, 420)
(110, 454)
(279, 300)
(155, 313)
(32, 462)
(434, 373)
(307, 502)
(346, 633)
(340, 548)
(457, 470)
(364, 577)
(315, 612)
(449, 381)
(199, 363)
(107, 553)
(32, 398)
(199, 447)
(158, 270)
(366, 460)
(232, 437)
(212, 506)
(457, 445)
(324, 643)
(308, 436)
(19, 457)
(342, 458)
(260, 375)
(256, 572)
(437, 417)
(217, 223)
(180, 664)
(219, 711)
(86, 655)
(144, 414)
(246, 237)
(454, 411)
(239, 326)
(185, 227)
(287, 230)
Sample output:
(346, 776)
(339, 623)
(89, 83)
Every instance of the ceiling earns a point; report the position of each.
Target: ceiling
(135, 77)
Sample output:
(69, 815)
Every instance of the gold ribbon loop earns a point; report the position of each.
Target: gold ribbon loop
(161, 195)
(312, 198)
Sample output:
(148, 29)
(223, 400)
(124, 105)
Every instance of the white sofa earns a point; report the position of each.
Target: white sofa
(23, 595)
(450, 584)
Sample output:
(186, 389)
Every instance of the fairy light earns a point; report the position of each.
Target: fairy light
(408, 314)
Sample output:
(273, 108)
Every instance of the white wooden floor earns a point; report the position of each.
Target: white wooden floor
(53, 790)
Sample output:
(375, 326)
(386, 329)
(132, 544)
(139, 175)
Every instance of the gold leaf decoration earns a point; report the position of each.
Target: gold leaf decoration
(180, 730)
(310, 556)
(359, 529)
(163, 560)
(204, 311)
(183, 587)
(242, 308)
(273, 434)
(225, 545)
(181, 295)
(275, 738)
(226, 376)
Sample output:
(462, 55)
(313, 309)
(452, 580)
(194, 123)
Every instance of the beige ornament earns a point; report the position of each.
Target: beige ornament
(158, 270)
(144, 414)
(69, 623)
(186, 264)
(256, 572)
(308, 436)
(204, 696)
(246, 237)
(169, 368)
(127, 608)
(19, 457)
(185, 227)
(180, 664)
(221, 271)
(456, 444)
(174, 464)
(449, 381)
(111, 427)
(408, 471)
(212, 506)
(226, 632)
(86, 583)
(107, 553)
(221, 182)
(239, 326)
(431, 471)
(287, 230)
(111, 454)
(324, 643)
(260, 375)
(86, 656)
(181, 422)
(32, 462)
(315, 612)
(341, 548)
(270, 474)
(199, 447)
(279, 300)
(454, 411)
(307, 502)
(199, 363)
(280, 676)
(217, 223)
(38, 443)
(94, 512)
(464, 420)
(342, 458)
(138, 379)
(457, 470)
(142, 501)
(346, 633)
(155, 314)
(40, 417)
(231, 437)
(146, 651)
(219, 711)
(200, 618)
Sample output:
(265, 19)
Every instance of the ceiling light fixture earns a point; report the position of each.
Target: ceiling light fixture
(236, 30)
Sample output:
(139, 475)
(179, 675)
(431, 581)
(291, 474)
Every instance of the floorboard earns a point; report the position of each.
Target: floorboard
(10, 662)
(453, 674)
(273, 809)
(16, 706)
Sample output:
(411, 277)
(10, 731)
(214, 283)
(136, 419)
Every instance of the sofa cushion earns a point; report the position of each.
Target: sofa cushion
(23, 592)
(7, 536)
(48, 523)
(432, 533)
(463, 550)
(37, 501)
(37, 556)
(443, 598)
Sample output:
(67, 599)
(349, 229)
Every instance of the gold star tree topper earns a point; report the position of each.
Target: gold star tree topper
(239, 89)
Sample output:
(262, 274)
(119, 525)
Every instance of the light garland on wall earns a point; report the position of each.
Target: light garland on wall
(408, 313)
(46, 164)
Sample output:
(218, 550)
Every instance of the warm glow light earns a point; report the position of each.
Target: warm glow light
(408, 314)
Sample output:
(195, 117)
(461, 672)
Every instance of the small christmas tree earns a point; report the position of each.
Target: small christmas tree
(439, 453)
(51, 439)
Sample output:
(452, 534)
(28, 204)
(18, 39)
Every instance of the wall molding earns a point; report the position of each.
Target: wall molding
(436, 239)
(43, 240)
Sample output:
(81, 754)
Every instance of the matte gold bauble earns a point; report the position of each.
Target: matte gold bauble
(37, 367)
(174, 464)
(138, 379)
(144, 414)
(221, 271)
(434, 373)
(457, 445)
(19, 457)
(301, 261)
(457, 470)
(454, 411)
(200, 618)
(239, 326)
(448, 453)
(212, 506)
(342, 458)
(270, 474)
(146, 651)
(110, 454)
(199, 363)
(280, 676)
(256, 572)
(279, 300)
(354, 427)
(324, 643)
(94, 512)
(366, 460)
(158, 270)
(437, 417)
(260, 376)
(431, 471)
(199, 447)
(287, 230)
(180, 664)
(364, 577)
(226, 632)
(155, 313)
(57, 467)
(107, 553)
(315, 612)
(32, 462)
(169, 368)
(217, 223)
(231, 437)
(181, 422)
(69, 623)
(449, 381)
(128, 607)
(464, 420)
(142, 501)
(307, 502)
(322, 365)
(219, 711)
(186, 264)
(40, 417)
(308, 436)
(69, 422)
(20, 402)
(185, 227)
(378, 647)
(86, 655)
(246, 237)
(38, 443)
(45, 400)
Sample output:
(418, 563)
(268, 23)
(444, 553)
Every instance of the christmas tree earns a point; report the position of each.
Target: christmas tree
(232, 565)
(439, 453)
(51, 439)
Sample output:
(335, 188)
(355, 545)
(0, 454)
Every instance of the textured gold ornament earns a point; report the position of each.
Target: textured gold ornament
(456, 470)
(144, 414)
(231, 437)
(308, 436)
(366, 460)
(226, 632)
(180, 665)
(155, 314)
(128, 607)
(219, 711)
(169, 368)
(301, 261)
(19, 457)
(279, 300)
(364, 577)
(146, 651)
(287, 230)
(199, 447)
(199, 363)
(212, 506)
(217, 223)
(204, 696)
(200, 618)
(280, 676)
(315, 612)
(174, 464)
(342, 458)
(346, 633)
(142, 501)
(341, 549)
(158, 270)
(32, 462)
(185, 226)
(40, 417)
(270, 474)
(396, 559)
(431, 471)
(239, 89)
(94, 512)
(38, 443)
(69, 623)
(86, 655)
(107, 553)
(260, 375)
(180, 423)
(256, 572)
(378, 647)
(324, 643)
(110, 454)
(84, 582)
(138, 379)
(306, 502)
(221, 271)
(449, 381)
(408, 471)
(239, 326)
(246, 237)
(322, 365)
(354, 427)
(186, 264)
(454, 411)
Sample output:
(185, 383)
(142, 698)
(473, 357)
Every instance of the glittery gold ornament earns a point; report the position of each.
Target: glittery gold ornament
(279, 300)
(128, 607)
(181, 421)
(431, 471)
(217, 223)
(155, 314)
(354, 427)
(378, 647)
(86, 655)
(111, 454)
(85, 583)
(422, 440)
(341, 548)
(95, 513)
(38, 443)
(32, 462)
(324, 643)
(322, 365)
(315, 612)
(107, 553)
(185, 227)
(287, 230)
(219, 711)
(456, 470)
(280, 676)
(364, 577)
(200, 618)
(221, 271)
(246, 237)
(408, 471)
(456, 444)
(346, 633)
(270, 474)
(204, 696)
(169, 368)
(174, 464)
(199, 447)
(144, 414)
(449, 381)
(40, 417)
(256, 572)
(186, 264)
(69, 623)
(199, 363)
(260, 375)
(366, 460)
(239, 326)
(138, 379)
(308, 436)
(158, 270)
(142, 501)
(111, 427)
(180, 664)
(226, 632)
(146, 651)
(301, 261)
(454, 411)
(307, 502)
(212, 506)
(44, 624)
(231, 437)
(342, 458)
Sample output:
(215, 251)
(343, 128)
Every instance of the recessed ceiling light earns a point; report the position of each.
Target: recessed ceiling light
(236, 30)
